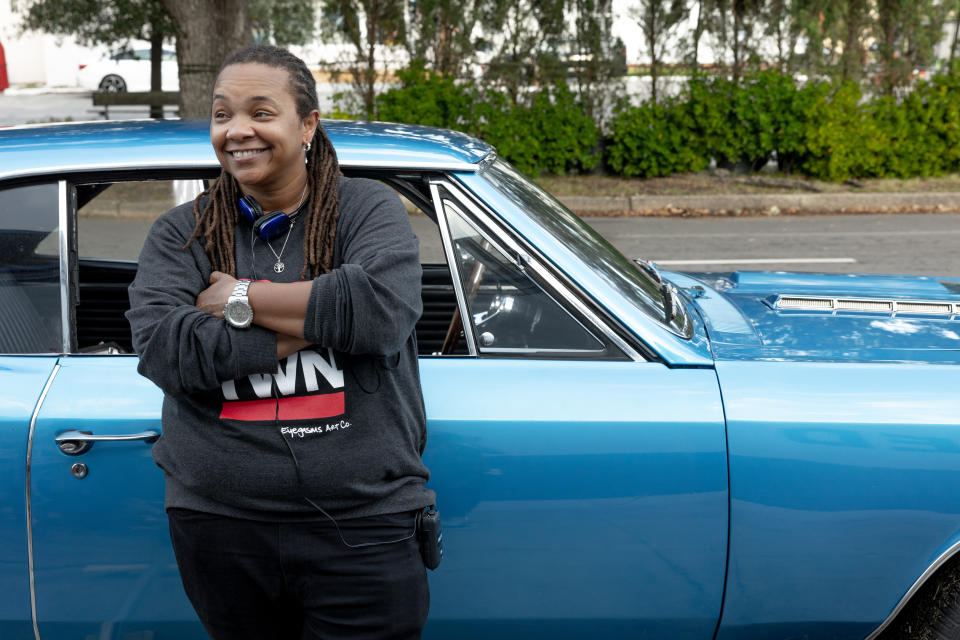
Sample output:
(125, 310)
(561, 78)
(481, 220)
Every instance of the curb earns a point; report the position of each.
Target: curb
(722, 204)
(39, 91)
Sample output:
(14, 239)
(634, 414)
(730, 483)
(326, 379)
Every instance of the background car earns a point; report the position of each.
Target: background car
(618, 451)
(128, 70)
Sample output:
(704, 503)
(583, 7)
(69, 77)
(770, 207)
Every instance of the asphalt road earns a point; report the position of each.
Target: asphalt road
(922, 244)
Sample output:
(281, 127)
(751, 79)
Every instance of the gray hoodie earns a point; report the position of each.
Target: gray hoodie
(341, 422)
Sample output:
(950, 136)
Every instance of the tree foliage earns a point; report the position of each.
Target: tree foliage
(596, 59)
(659, 22)
(110, 23)
(525, 51)
(441, 35)
(283, 22)
(102, 22)
(371, 28)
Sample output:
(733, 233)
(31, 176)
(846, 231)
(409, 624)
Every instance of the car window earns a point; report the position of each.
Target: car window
(112, 222)
(113, 219)
(509, 312)
(30, 318)
(605, 261)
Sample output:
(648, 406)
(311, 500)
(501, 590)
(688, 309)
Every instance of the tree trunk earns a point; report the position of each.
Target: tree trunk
(156, 58)
(956, 31)
(370, 73)
(852, 59)
(737, 10)
(697, 32)
(652, 37)
(207, 31)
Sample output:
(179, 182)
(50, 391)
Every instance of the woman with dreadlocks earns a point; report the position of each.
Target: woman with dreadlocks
(276, 312)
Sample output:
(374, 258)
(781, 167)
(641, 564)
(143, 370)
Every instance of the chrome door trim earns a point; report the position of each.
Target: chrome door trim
(64, 213)
(30, 567)
(402, 164)
(563, 289)
(454, 269)
(922, 580)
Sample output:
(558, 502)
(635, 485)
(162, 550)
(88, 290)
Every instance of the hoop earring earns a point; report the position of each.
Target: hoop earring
(305, 147)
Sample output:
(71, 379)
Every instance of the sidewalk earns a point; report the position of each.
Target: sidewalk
(763, 204)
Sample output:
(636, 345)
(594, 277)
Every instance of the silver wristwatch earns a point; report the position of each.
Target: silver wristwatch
(238, 312)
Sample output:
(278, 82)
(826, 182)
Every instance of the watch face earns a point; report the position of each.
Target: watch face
(239, 314)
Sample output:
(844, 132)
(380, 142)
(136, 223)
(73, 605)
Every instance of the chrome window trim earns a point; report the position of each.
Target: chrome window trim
(526, 350)
(64, 239)
(561, 288)
(486, 161)
(454, 269)
(400, 165)
(30, 565)
(926, 575)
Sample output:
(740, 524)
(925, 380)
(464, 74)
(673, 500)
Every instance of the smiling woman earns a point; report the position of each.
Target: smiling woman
(310, 379)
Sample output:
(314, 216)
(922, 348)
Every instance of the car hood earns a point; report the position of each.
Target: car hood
(809, 316)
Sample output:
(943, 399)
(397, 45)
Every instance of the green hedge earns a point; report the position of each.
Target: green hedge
(547, 132)
(821, 130)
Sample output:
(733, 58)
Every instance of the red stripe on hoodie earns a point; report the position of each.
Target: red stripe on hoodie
(286, 409)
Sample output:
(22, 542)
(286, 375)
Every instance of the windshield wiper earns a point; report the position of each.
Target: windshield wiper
(650, 270)
(669, 294)
(667, 290)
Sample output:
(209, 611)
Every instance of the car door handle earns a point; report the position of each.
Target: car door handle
(74, 442)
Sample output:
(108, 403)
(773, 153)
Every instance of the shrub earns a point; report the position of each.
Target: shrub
(653, 140)
(840, 140)
(549, 133)
(426, 98)
(552, 133)
(923, 131)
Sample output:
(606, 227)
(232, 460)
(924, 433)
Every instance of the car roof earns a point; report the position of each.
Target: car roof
(32, 150)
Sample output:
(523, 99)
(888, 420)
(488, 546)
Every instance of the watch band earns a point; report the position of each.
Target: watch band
(237, 311)
(240, 289)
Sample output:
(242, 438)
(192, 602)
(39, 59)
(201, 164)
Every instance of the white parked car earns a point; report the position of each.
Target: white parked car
(128, 70)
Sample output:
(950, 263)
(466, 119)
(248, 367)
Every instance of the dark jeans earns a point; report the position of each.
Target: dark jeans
(263, 580)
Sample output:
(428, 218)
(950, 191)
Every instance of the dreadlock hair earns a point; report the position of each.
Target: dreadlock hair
(217, 221)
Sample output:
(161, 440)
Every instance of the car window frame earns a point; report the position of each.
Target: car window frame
(617, 347)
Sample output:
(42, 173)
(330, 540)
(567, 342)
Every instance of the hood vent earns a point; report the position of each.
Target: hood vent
(866, 305)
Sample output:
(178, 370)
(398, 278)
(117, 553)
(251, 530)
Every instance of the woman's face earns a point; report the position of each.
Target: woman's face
(255, 130)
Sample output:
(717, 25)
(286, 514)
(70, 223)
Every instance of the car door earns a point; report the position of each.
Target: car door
(583, 487)
(30, 337)
(103, 566)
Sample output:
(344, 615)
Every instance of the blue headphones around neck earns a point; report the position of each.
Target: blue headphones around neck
(266, 225)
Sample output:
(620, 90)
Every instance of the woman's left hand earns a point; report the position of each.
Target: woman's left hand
(214, 298)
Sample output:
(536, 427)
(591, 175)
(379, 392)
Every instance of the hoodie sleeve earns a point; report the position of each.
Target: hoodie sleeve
(183, 349)
(370, 303)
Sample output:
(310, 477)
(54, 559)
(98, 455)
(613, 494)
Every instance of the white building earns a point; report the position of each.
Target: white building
(35, 59)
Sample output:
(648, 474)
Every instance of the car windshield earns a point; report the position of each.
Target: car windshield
(623, 274)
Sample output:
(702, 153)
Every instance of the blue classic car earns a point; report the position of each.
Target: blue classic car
(618, 451)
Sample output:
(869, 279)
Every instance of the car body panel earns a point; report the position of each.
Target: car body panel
(101, 546)
(744, 325)
(22, 379)
(840, 473)
(43, 149)
(581, 505)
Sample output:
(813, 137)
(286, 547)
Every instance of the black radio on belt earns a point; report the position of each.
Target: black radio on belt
(431, 537)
